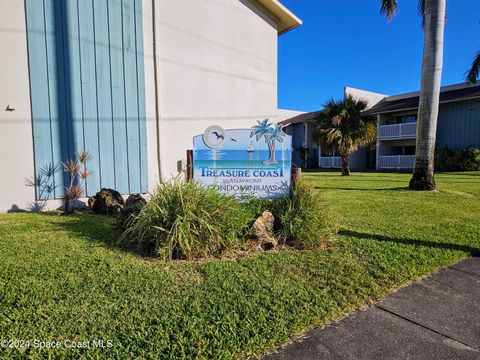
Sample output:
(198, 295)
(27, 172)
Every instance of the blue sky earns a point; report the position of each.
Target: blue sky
(348, 43)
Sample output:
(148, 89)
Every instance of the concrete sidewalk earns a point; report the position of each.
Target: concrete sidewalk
(438, 318)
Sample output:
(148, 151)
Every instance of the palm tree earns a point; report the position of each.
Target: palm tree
(474, 71)
(271, 135)
(274, 134)
(341, 125)
(433, 17)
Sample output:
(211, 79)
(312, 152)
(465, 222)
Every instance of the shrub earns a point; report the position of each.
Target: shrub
(303, 221)
(185, 221)
(450, 160)
(470, 159)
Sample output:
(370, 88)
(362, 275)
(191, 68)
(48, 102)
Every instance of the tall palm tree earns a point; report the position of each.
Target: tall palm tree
(433, 16)
(342, 126)
(474, 72)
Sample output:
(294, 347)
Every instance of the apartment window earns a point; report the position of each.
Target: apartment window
(330, 153)
(409, 150)
(401, 119)
(409, 119)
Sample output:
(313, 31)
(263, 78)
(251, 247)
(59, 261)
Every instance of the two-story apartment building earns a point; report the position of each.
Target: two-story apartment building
(130, 81)
(458, 128)
(458, 124)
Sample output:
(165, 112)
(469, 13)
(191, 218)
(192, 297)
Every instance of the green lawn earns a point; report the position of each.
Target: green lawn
(60, 277)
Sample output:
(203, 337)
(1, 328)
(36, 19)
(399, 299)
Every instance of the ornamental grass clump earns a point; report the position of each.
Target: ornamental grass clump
(187, 221)
(302, 220)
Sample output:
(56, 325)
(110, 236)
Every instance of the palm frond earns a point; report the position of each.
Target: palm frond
(342, 125)
(389, 8)
(474, 72)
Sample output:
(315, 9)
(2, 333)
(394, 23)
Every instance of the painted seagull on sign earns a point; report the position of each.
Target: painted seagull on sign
(219, 136)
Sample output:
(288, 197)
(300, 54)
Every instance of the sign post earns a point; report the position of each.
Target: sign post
(244, 162)
(189, 170)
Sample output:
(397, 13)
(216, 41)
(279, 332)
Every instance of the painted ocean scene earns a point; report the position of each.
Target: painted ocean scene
(240, 161)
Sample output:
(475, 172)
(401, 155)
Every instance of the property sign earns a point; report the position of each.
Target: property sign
(241, 162)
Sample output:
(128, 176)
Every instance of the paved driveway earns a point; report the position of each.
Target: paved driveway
(438, 318)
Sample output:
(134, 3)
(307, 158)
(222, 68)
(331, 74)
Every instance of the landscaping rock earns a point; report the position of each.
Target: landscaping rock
(262, 231)
(106, 201)
(133, 205)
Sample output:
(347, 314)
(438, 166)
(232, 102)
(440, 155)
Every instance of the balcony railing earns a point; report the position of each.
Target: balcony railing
(396, 162)
(330, 162)
(398, 131)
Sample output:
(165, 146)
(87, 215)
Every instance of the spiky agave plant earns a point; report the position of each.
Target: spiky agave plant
(76, 169)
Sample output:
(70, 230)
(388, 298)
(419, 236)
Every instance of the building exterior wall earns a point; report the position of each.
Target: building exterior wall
(153, 131)
(298, 141)
(217, 64)
(88, 92)
(16, 144)
(458, 128)
(459, 125)
(372, 98)
(284, 114)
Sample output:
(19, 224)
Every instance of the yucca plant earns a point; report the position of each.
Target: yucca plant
(186, 221)
(77, 172)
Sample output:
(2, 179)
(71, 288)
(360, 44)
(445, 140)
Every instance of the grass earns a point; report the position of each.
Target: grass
(60, 277)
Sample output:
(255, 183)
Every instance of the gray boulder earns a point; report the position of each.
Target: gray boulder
(262, 231)
(133, 205)
(106, 201)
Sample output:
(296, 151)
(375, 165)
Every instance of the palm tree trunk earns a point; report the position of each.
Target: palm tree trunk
(272, 151)
(345, 164)
(271, 148)
(423, 178)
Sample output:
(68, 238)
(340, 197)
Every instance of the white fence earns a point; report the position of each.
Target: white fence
(396, 162)
(408, 130)
(330, 162)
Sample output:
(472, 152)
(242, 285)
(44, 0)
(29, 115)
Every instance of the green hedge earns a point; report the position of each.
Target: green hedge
(465, 160)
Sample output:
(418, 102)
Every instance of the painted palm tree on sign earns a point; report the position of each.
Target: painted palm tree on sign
(433, 17)
(271, 134)
(342, 126)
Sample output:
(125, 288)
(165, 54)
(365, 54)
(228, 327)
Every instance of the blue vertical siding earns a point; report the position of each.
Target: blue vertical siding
(104, 94)
(131, 89)
(37, 44)
(88, 91)
(141, 95)
(459, 125)
(118, 95)
(73, 75)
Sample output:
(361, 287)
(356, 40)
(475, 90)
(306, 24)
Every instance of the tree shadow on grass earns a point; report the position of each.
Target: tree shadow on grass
(98, 229)
(361, 189)
(473, 251)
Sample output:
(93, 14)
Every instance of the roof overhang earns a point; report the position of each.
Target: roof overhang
(285, 19)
